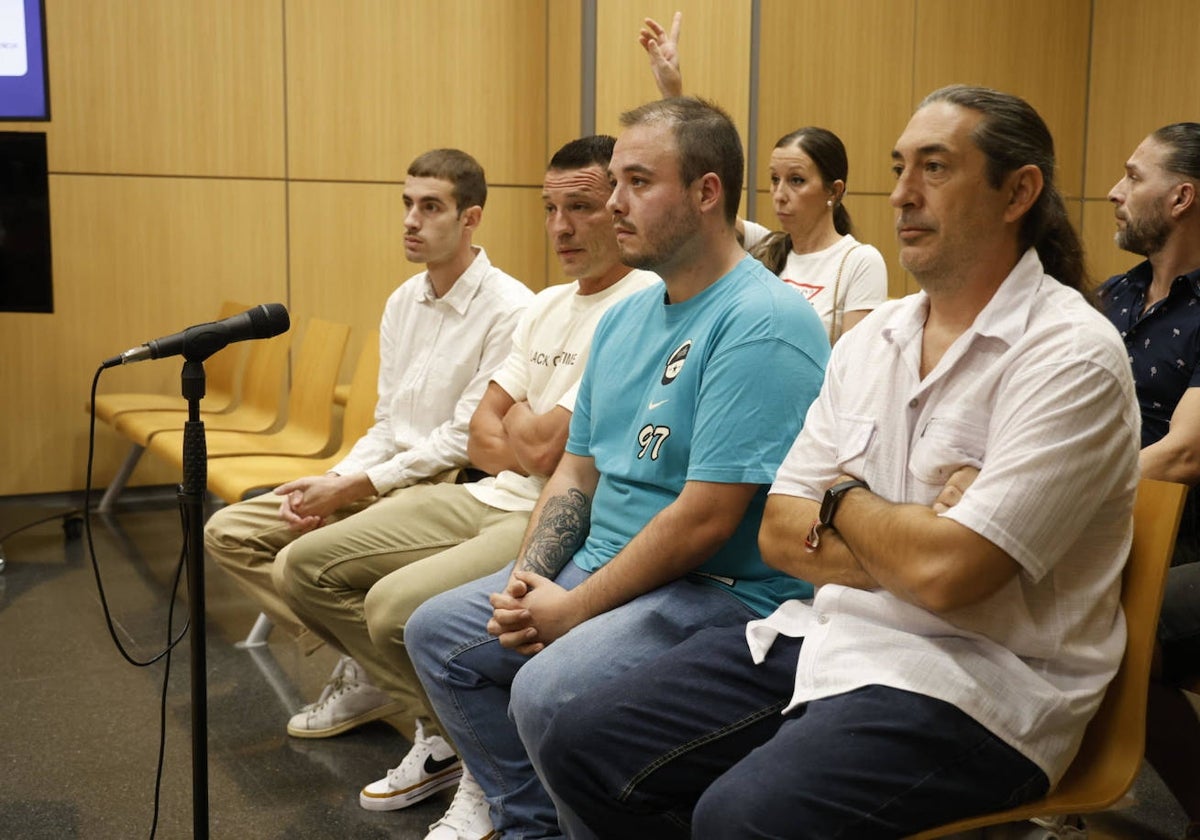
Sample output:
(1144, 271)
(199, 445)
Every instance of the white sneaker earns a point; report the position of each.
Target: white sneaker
(1038, 828)
(1061, 827)
(467, 817)
(429, 766)
(348, 700)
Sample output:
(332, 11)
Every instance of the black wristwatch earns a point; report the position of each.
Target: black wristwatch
(833, 498)
(829, 506)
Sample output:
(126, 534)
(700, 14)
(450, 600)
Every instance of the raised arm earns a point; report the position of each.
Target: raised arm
(663, 49)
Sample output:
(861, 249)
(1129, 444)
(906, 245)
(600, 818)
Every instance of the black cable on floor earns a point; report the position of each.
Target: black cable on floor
(170, 642)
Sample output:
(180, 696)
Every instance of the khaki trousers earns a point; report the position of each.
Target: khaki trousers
(355, 582)
(244, 539)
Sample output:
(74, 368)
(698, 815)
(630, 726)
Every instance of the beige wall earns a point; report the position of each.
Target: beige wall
(255, 149)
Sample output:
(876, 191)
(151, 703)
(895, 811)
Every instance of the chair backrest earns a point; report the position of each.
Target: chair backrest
(262, 383)
(359, 413)
(221, 368)
(1110, 756)
(314, 377)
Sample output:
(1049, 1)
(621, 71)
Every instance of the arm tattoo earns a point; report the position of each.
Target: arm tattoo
(560, 531)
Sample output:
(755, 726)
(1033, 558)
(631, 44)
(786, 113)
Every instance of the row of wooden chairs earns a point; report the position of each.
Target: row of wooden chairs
(251, 444)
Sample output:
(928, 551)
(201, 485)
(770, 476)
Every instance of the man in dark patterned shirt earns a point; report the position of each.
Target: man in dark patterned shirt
(1156, 307)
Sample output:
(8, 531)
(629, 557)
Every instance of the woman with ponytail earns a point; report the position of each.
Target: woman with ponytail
(815, 251)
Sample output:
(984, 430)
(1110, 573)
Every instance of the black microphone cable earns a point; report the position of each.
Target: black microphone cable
(171, 643)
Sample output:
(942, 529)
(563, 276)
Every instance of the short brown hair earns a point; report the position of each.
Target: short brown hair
(457, 167)
(706, 138)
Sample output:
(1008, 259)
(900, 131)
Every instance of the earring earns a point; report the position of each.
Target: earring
(829, 203)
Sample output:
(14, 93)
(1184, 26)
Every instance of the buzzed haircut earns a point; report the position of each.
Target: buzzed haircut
(1183, 138)
(457, 167)
(1011, 134)
(595, 150)
(706, 139)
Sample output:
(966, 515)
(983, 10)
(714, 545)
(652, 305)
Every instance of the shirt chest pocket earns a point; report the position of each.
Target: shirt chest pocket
(856, 434)
(944, 445)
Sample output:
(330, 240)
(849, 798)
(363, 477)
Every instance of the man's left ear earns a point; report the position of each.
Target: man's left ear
(710, 191)
(1024, 186)
(1185, 198)
(472, 216)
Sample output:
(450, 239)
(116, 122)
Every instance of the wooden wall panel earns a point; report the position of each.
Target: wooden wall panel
(198, 88)
(714, 46)
(1034, 49)
(347, 250)
(146, 257)
(514, 233)
(190, 87)
(1143, 77)
(373, 83)
(842, 66)
(564, 74)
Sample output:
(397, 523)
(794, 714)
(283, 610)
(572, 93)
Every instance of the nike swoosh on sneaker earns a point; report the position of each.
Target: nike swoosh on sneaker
(433, 766)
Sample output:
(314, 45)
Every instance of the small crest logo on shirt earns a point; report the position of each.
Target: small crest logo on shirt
(675, 363)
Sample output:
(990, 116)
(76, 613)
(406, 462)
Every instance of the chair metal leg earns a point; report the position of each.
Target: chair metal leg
(283, 687)
(119, 480)
(258, 633)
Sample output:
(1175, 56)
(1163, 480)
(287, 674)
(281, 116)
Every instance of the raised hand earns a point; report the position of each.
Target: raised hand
(663, 49)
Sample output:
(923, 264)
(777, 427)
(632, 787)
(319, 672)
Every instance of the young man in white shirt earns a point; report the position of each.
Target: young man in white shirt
(442, 336)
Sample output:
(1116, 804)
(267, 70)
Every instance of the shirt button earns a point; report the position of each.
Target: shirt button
(912, 403)
(822, 619)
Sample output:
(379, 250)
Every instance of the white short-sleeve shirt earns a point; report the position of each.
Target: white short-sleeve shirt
(1039, 396)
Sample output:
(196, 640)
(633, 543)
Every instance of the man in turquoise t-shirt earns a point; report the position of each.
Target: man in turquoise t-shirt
(647, 531)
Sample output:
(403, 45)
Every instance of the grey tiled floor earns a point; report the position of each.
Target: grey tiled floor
(79, 726)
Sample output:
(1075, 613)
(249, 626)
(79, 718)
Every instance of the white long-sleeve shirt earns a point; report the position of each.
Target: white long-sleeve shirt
(436, 358)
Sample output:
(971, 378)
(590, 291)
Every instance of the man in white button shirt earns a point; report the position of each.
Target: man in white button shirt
(443, 334)
(961, 498)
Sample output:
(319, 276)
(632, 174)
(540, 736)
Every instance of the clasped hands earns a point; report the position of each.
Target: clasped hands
(531, 612)
(308, 501)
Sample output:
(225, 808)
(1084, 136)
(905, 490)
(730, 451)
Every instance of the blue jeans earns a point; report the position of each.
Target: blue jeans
(694, 743)
(496, 705)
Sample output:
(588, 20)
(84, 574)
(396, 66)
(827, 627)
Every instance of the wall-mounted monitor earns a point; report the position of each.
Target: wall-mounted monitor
(25, 279)
(24, 94)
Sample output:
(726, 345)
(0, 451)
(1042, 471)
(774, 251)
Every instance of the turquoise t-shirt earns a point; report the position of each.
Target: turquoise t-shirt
(711, 389)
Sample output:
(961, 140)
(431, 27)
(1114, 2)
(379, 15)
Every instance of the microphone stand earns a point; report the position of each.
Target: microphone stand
(191, 498)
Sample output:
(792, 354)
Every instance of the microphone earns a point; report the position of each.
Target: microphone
(199, 342)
